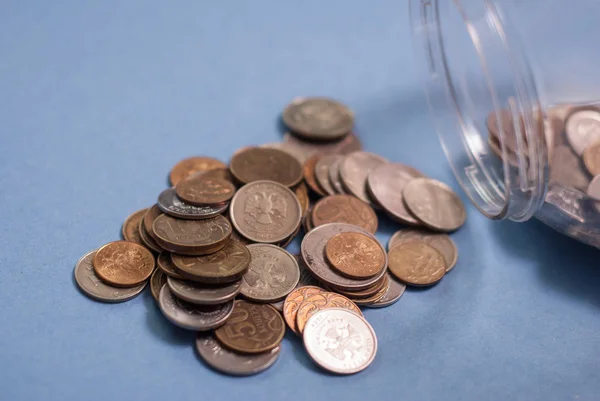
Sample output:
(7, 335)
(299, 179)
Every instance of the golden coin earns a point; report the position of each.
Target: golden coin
(131, 227)
(416, 263)
(344, 209)
(123, 263)
(293, 301)
(320, 301)
(355, 255)
(200, 191)
(192, 165)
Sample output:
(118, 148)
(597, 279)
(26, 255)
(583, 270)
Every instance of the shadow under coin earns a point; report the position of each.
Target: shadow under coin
(163, 329)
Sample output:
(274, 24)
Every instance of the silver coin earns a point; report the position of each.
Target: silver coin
(393, 293)
(313, 253)
(340, 341)
(273, 273)
(583, 129)
(322, 172)
(169, 203)
(192, 317)
(306, 277)
(304, 149)
(334, 176)
(203, 294)
(233, 363)
(355, 169)
(593, 189)
(441, 242)
(92, 286)
(566, 169)
(317, 118)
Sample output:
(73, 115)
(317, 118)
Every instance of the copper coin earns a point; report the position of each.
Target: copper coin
(151, 214)
(301, 192)
(293, 301)
(376, 296)
(222, 173)
(192, 237)
(320, 301)
(318, 118)
(157, 281)
(307, 220)
(309, 175)
(252, 328)
(344, 209)
(349, 143)
(257, 164)
(131, 227)
(123, 263)
(334, 176)
(434, 204)
(355, 255)
(566, 169)
(281, 146)
(265, 211)
(147, 240)
(591, 158)
(190, 166)
(395, 290)
(442, 242)
(366, 293)
(165, 264)
(416, 263)
(224, 266)
(354, 171)
(322, 172)
(200, 191)
(236, 236)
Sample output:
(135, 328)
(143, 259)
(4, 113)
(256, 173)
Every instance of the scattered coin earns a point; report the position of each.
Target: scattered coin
(583, 129)
(322, 172)
(309, 175)
(355, 255)
(441, 242)
(165, 264)
(355, 169)
(365, 293)
(131, 227)
(170, 204)
(123, 263)
(320, 301)
(190, 166)
(192, 237)
(344, 209)
(416, 263)
(394, 292)
(591, 158)
(203, 294)
(334, 176)
(260, 164)
(293, 301)
(157, 281)
(593, 189)
(200, 191)
(316, 118)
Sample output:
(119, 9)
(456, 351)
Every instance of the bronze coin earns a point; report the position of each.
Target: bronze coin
(199, 190)
(256, 164)
(190, 166)
(416, 263)
(151, 214)
(301, 192)
(157, 280)
(360, 294)
(221, 173)
(442, 242)
(320, 301)
(355, 255)
(309, 175)
(131, 227)
(375, 297)
(165, 264)
(344, 209)
(236, 236)
(123, 263)
(293, 301)
(225, 266)
(304, 149)
(252, 328)
(591, 158)
(192, 237)
(147, 240)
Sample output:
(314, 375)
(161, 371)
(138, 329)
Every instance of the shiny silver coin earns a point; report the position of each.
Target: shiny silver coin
(441, 242)
(355, 169)
(322, 172)
(334, 176)
(317, 118)
(192, 317)
(169, 203)
(340, 341)
(233, 363)
(393, 293)
(567, 170)
(93, 287)
(203, 294)
(583, 129)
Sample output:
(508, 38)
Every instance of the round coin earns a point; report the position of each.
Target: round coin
(355, 255)
(322, 172)
(200, 191)
(192, 237)
(340, 341)
(93, 287)
(257, 164)
(441, 242)
(566, 169)
(334, 176)
(151, 214)
(583, 129)
(146, 238)
(416, 263)
(123, 263)
(306, 277)
(309, 175)
(301, 192)
(157, 281)
(354, 171)
(203, 294)
(131, 227)
(165, 264)
(591, 158)
(318, 118)
(344, 209)
(252, 328)
(298, 146)
(265, 211)
(293, 301)
(170, 204)
(368, 301)
(322, 300)
(394, 291)
(593, 190)
(434, 204)
(190, 166)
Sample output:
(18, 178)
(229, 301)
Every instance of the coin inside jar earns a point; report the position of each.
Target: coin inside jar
(317, 118)
(355, 255)
(591, 158)
(123, 263)
(200, 191)
(192, 237)
(416, 263)
(190, 166)
(583, 128)
(344, 209)
(257, 164)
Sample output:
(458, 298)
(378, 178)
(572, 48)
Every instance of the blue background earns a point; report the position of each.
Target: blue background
(98, 101)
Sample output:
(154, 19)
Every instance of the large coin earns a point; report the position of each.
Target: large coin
(201, 191)
(265, 211)
(203, 294)
(394, 291)
(317, 118)
(95, 288)
(273, 274)
(416, 263)
(293, 301)
(193, 317)
(566, 169)
(123, 263)
(165, 264)
(354, 171)
(252, 328)
(170, 204)
(131, 227)
(442, 242)
(157, 281)
(230, 362)
(322, 172)
(257, 164)
(355, 255)
(591, 158)
(434, 204)
(309, 175)
(340, 341)
(320, 301)
(583, 129)
(192, 237)
(344, 209)
(190, 166)
(334, 176)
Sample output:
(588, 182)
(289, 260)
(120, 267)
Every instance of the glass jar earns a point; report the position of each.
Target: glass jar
(514, 89)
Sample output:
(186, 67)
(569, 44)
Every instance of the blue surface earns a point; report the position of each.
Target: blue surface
(98, 101)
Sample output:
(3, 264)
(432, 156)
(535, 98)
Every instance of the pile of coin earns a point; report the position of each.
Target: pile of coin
(219, 235)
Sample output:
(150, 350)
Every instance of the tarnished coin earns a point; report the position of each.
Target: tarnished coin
(192, 237)
(200, 191)
(317, 118)
(258, 164)
(593, 189)
(366, 293)
(252, 328)
(355, 169)
(334, 176)
(355, 255)
(151, 214)
(92, 286)
(190, 166)
(322, 172)
(386, 183)
(302, 194)
(233, 363)
(265, 211)
(222, 173)
(434, 204)
(273, 274)
(344, 209)
(566, 169)
(225, 266)
(442, 242)
(583, 129)
(157, 281)
(123, 263)
(291, 151)
(170, 204)
(310, 177)
(165, 264)
(394, 292)
(591, 158)
(416, 263)
(322, 300)
(203, 294)
(293, 301)
(193, 317)
(340, 341)
(370, 300)
(147, 240)
(299, 147)
(306, 277)
(131, 227)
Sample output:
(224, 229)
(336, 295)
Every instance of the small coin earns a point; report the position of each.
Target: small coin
(273, 274)
(566, 169)
(344, 209)
(355, 255)
(146, 238)
(200, 191)
(593, 189)
(591, 158)
(258, 164)
(316, 118)
(434, 204)
(293, 301)
(362, 294)
(354, 171)
(416, 263)
(305, 149)
(394, 292)
(252, 328)
(225, 266)
(368, 301)
(193, 317)
(192, 237)
(230, 362)
(151, 214)
(322, 172)
(340, 341)
(265, 211)
(322, 300)
(301, 192)
(203, 294)
(92, 286)
(131, 227)
(190, 166)
(334, 176)
(123, 263)
(442, 242)
(157, 281)
(583, 129)
(170, 204)
(309, 175)
(165, 264)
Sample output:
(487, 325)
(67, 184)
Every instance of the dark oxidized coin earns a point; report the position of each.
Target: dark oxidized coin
(165, 264)
(192, 237)
(256, 164)
(199, 190)
(190, 166)
(344, 209)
